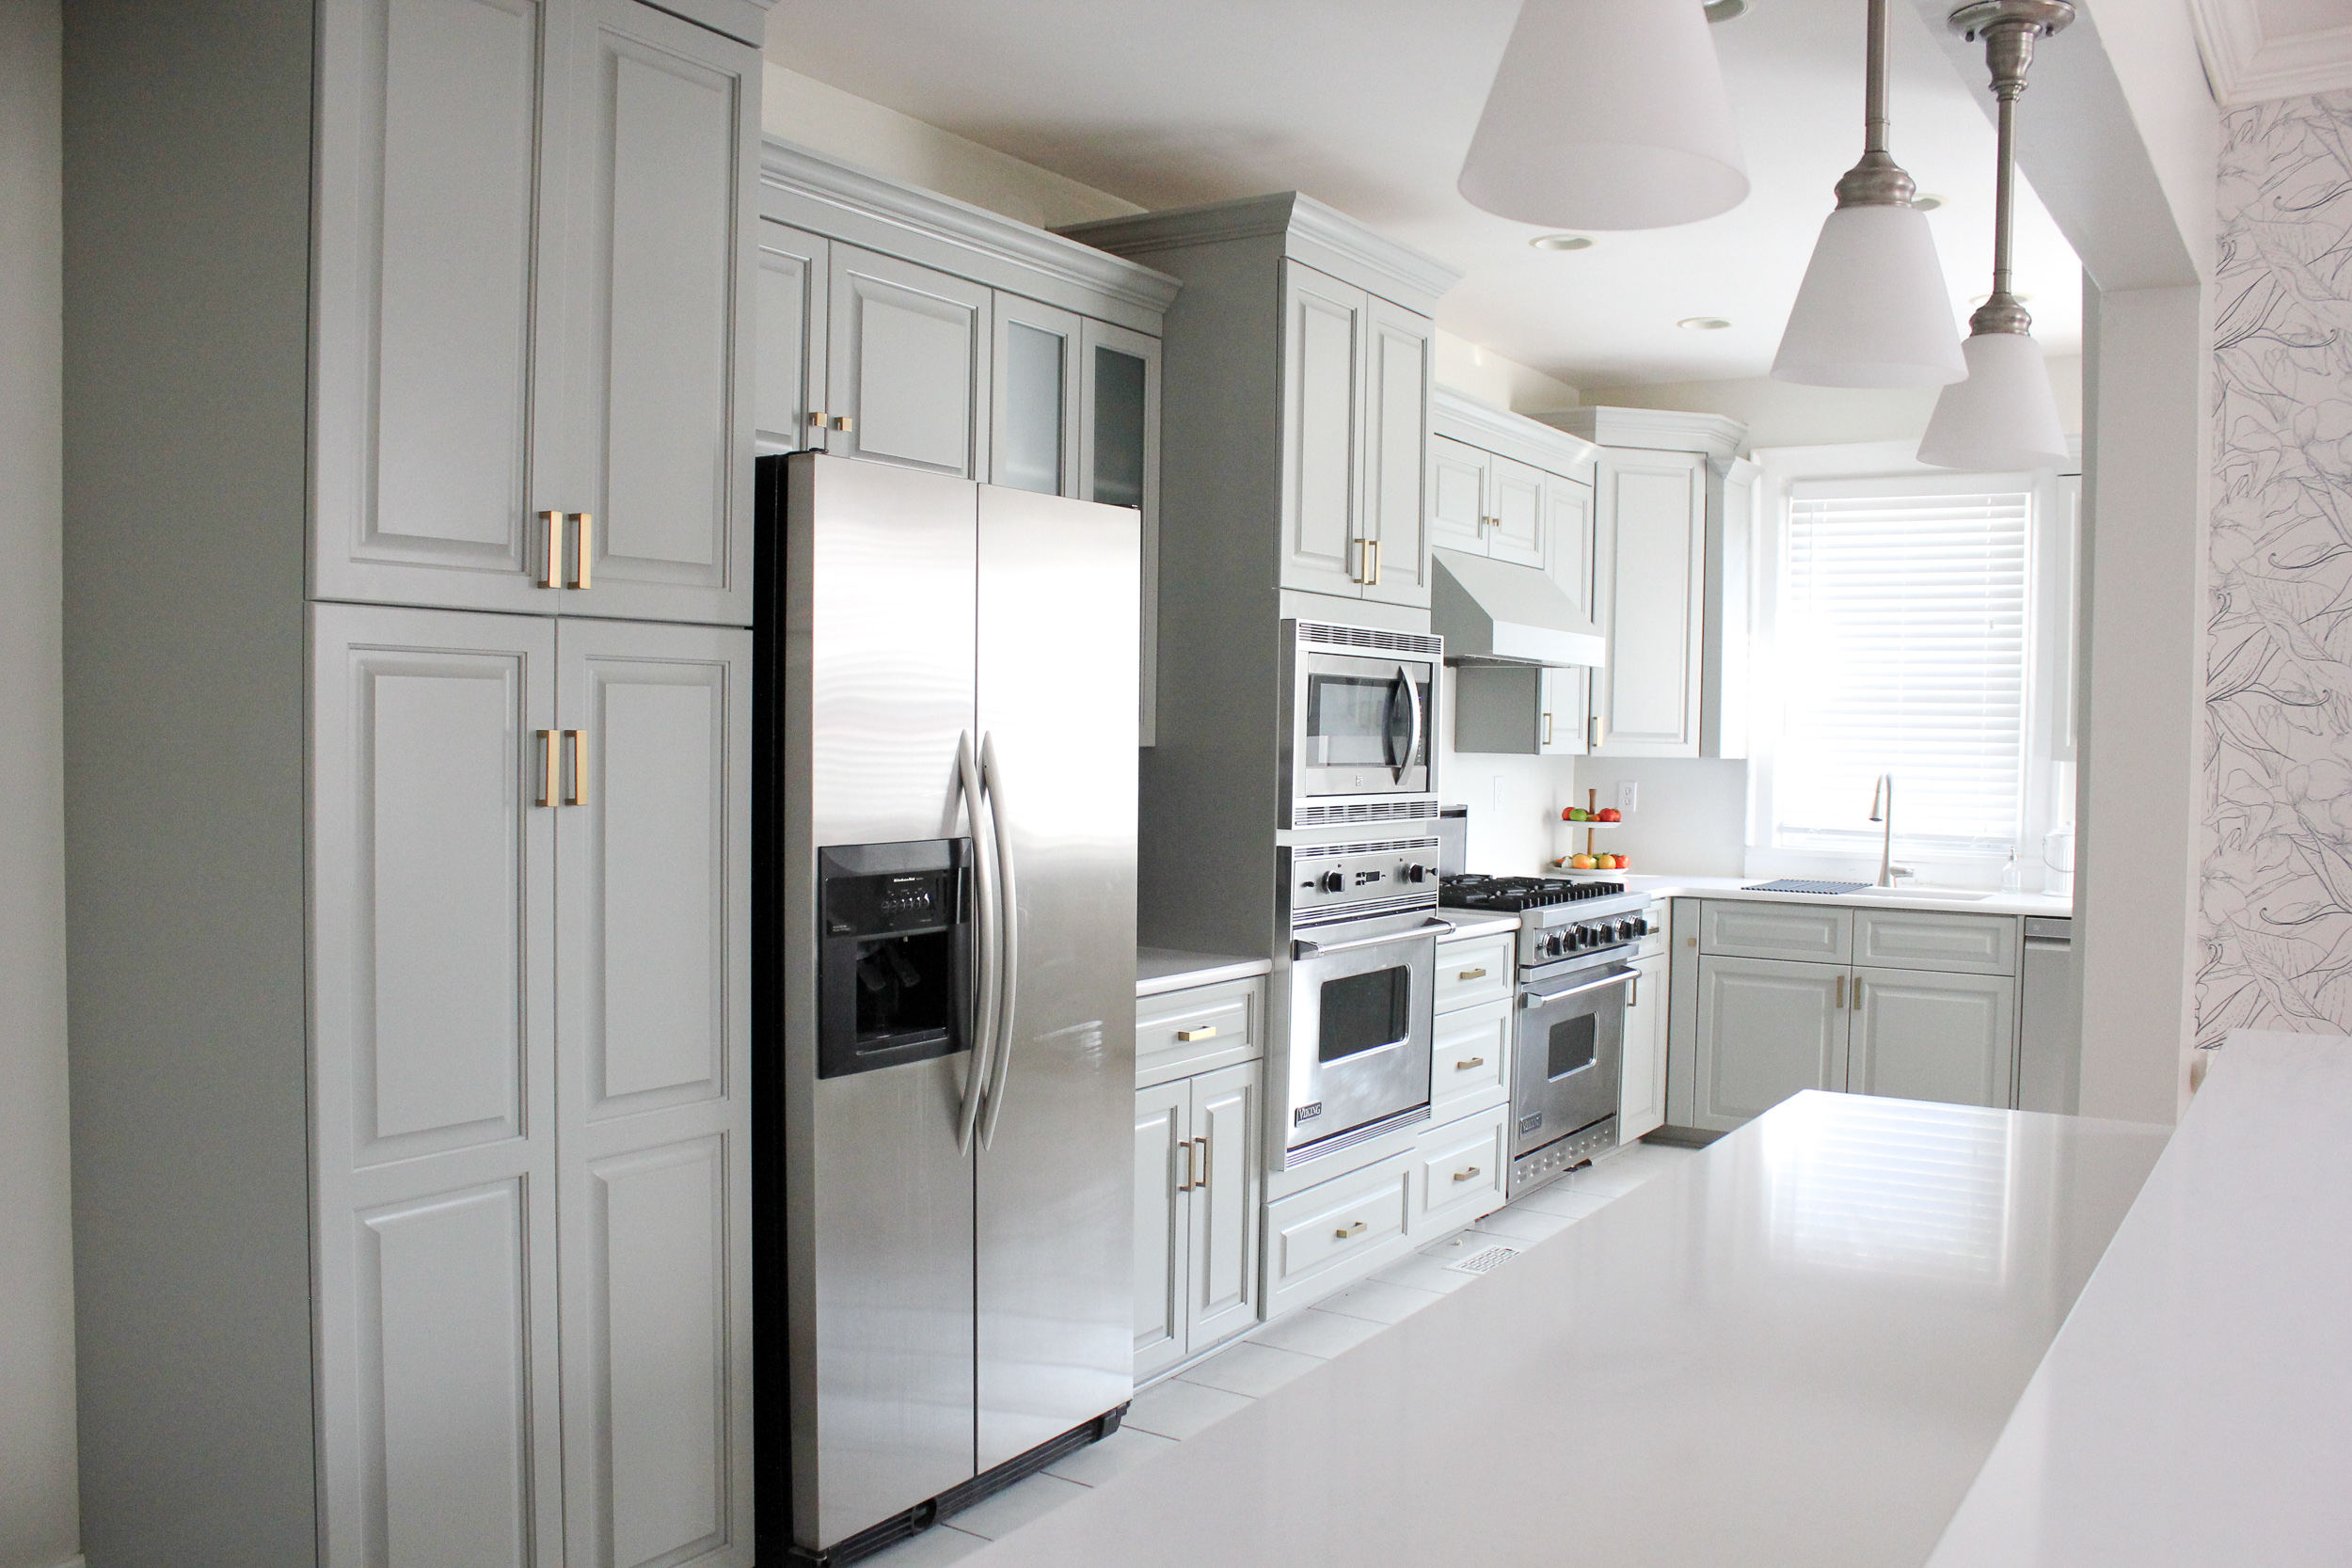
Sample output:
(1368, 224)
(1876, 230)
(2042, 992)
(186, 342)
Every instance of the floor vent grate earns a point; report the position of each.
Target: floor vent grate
(1479, 1263)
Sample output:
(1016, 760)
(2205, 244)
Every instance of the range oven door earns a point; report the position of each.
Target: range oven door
(1360, 1038)
(1569, 1050)
(1361, 724)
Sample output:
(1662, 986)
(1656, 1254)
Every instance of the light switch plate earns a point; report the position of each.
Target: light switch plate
(1628, 795)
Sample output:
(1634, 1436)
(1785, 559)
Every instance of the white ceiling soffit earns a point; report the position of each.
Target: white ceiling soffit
(2258, 50)
(1368, 105)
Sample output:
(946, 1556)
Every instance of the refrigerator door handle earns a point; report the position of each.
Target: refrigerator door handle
(1008, 938)
(984, 917)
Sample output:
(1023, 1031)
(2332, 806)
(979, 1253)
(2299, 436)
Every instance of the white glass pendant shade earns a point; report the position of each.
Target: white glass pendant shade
(1873, 310)
(2003, 418)
(1606, 114)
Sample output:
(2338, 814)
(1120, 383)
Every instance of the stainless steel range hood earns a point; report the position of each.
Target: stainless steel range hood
(1493, 613)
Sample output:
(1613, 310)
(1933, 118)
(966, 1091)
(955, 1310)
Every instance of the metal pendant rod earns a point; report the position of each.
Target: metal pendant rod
(1874, 94)
(2009, 28)
(1876, 180)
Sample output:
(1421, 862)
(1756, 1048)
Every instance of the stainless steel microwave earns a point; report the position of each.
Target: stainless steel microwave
(1360, 722)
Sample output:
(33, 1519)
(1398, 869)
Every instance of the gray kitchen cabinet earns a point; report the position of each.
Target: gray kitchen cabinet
(1324, 328)
(1767, 1029)
(790, 399)
(907, 365)
(1118, 463)
(1642, 1086)
(1928, 1035)
(1568, 541)
(1399, 344)
(1483, 503)
(532, 323)
(1199, 1189)
(530, 1097)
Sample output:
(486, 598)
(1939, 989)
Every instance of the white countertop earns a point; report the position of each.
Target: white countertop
(1476, 923)
(1166, 969)
(1795, 1349)
(1735, 887)
(2197, 1407)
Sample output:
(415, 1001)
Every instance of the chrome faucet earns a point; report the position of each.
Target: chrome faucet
(1882, 810)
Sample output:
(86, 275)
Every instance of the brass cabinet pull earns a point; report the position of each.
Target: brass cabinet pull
(1478, 973)
(1343, 1232)
(844, 422)
(1592, 732)
(1465, 1175)
(1546, 729)
(1373, 580)
(1475, 1061)
(1857, 994)
(549, 574)
(577, 794)
(1841, 994)
(1186, 1184)
(546, 768)
(582, 533)
(1188, 1035)
(817, 418)
(1203, 1180)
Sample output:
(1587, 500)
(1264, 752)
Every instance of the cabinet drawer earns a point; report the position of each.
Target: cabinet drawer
(1477, 970)
(1801, 931)
(1926, 938)
(1335, 1233)
(1179, 1032)
(1471, 1055)
(1459, 1171)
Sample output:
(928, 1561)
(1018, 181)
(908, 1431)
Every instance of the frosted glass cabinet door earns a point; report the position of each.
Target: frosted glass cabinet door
(1033, 420)
(659, 353)
(432, 1087)
(907, 365)
(1118, 463)
(653, 956)
(1767, 1029)
(437, 147)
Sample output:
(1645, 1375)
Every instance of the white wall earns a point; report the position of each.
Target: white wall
(39, 1503)
(1491, 378)
(1515, 802)
(1691, 819)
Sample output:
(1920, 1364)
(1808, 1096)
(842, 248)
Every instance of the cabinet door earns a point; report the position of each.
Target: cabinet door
(1458, 496)
(438, 146)
(432, 1085)
(1228, 1187)
(1920, 1035)
(1515, 499)
(1641, 1089)
(1459, 1171)
(1322, 423)
(908, 375)
(1119, 464)
(1651, 558)
(790, 403)
(1033, 405)
(653, 1059)
(1396, 452)
(659, 358)
(1765, 1030)
(1568, 540)
(1162, 1207)
(1563, 719)
(1470, 1058)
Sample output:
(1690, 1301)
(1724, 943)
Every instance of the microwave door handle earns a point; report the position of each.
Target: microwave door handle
(1302, 948)
(984, 918)
(1545, 999)
(1412, 746)
(1008, 938)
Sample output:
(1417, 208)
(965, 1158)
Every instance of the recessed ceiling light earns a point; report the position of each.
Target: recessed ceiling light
(1928, 202)
(1702, 323)
(1561, 242)
(2017, 296)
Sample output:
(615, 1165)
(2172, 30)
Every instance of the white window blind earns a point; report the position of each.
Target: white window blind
(1904, 639)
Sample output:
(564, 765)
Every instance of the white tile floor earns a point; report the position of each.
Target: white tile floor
(1206, 1392)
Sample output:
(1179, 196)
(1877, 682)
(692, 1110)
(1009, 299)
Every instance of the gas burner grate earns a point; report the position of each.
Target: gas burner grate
(1511, 895)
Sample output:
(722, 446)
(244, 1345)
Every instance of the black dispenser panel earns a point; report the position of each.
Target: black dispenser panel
(894, 965)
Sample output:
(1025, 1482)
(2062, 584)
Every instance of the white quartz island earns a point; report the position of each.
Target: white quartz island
(1796, 1348)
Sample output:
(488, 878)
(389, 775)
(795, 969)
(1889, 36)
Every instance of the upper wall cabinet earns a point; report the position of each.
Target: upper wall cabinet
(902, 327)
(535, 267)
(1669, 581)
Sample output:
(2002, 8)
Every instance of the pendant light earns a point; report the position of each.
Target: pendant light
(1873, 309)
(2004, 416)
(1606, 114)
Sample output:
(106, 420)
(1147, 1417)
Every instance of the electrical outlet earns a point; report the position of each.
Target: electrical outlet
(1628, 795)
(1498, 793)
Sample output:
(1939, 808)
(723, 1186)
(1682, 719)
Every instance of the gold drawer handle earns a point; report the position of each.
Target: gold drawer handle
(844, 421)
(550, 770)
(1475, 1061)
(1465, 1175)
(1188, 1035)
(1344, 1231)
(1479, 974)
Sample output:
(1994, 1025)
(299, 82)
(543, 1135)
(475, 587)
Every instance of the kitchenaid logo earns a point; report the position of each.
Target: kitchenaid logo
(1306, 1112)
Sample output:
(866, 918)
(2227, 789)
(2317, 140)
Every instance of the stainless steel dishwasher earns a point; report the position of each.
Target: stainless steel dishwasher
(2049, 1032)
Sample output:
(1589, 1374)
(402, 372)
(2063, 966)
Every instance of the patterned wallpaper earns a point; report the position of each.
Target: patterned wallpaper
(2276, 891)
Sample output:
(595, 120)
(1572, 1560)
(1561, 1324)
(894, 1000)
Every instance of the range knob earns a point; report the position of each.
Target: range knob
(1626, 931)
(1551, 946)
(1642, 927)
(1333, 882)
(1417, 873)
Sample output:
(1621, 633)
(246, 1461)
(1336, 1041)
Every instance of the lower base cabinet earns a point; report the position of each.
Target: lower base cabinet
(1329, 1236)
(1198, 1183)
(1458, 1172)
(1641, 1091)
(1916, 1035)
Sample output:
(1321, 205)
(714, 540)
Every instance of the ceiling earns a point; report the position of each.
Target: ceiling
(1368, 104)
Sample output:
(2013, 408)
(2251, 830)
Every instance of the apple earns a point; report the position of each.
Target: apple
(1610, 813)
(1582, 862)
(1576, 813)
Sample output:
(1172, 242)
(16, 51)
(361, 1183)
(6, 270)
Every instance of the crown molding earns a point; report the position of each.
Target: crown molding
(2246, 65)
(1459, 416)
(1716, 435)
(846, 202)
(1392, 270)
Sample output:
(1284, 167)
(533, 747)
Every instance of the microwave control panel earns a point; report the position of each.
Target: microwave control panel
(1340, 882)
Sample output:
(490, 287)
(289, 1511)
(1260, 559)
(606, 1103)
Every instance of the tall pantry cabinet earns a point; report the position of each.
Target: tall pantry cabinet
(409, 534)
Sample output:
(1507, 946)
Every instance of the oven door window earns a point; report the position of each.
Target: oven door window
(1571, 1046)
(1356, 721)
(1364, 1012)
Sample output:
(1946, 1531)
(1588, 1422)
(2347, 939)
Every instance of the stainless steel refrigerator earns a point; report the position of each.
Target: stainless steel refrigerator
(945, 929)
